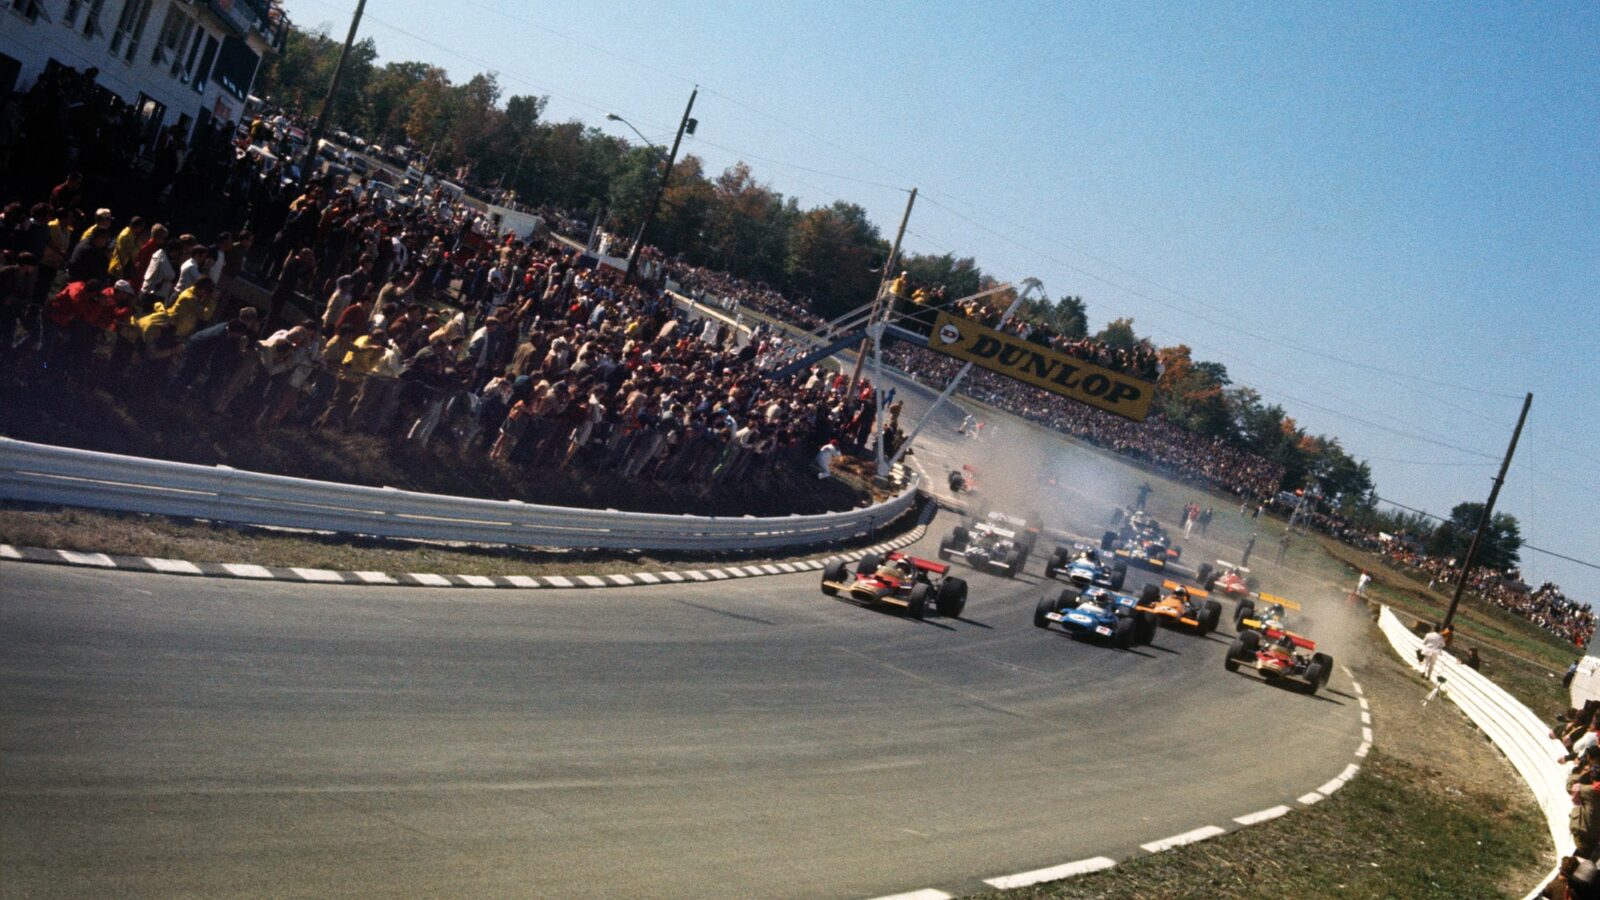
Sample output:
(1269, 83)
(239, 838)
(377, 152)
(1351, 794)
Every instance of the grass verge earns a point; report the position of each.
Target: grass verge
(1517, 655)
(128, 534)
(1435, 812)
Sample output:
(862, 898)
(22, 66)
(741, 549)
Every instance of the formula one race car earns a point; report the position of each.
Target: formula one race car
(1181, 606)
(1280, 656)
(1265, 612)
(1097, 613)
(1083, 566)
(1141, 541)
(899, 580)
(1227, 578)
(996, 541)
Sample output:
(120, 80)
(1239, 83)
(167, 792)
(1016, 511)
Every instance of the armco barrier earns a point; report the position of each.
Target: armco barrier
(1512, 726)
(44, 474)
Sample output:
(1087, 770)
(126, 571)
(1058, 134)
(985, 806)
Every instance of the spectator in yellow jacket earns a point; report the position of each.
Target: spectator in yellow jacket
(125, 250)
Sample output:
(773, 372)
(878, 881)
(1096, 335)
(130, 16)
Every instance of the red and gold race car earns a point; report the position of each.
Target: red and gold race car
(1280, 656)
(1181, 605)
(898, 580)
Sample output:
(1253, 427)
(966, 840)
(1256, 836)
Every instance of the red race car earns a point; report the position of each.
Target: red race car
(899, 580)
(1280, 656)
(1226, 578)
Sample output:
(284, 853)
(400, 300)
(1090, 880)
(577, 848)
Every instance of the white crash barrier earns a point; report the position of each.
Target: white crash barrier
(40, 473)
(1512, 726)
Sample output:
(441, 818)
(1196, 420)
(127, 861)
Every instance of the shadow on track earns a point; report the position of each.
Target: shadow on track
(723, 612)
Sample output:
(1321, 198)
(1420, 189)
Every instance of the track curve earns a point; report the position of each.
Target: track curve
(168, 736)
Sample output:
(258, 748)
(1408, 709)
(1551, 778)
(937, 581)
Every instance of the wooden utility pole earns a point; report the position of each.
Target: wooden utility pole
(878, 300)
(686, 124)
(1488, 512)
(310, 163)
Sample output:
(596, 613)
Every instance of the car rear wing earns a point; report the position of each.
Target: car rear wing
(1193, 591)
(1304, 643)
(1281, 601)
(922, 565)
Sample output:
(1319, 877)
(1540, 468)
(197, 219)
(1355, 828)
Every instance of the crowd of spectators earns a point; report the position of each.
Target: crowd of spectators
(1545, 606)
(402, 318)
(1140, 360)
(1177, 451)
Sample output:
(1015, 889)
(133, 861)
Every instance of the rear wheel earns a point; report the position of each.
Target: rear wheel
(1119, 576)
(917, 603)
(1150, 596)
(1108, 540)
(869, 564)
(1015, 561)
(1210, 615)
(836, 573)
(951, 598)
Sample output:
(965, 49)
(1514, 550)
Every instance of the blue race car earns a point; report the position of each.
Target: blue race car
(1097, 613)
(1082, 565)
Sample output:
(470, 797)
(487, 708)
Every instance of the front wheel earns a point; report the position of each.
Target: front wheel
(917, 603)
(1145, 627)
(1042, 611)
(1203, 576)
(1123, 634)
(869, 564)
(1245, 610)
(835, 573)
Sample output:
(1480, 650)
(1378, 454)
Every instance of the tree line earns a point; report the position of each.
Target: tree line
(831, 255)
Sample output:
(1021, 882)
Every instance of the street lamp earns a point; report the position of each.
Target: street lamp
(613, 117)
(685, 125)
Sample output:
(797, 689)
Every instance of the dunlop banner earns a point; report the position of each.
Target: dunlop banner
(1041, 367)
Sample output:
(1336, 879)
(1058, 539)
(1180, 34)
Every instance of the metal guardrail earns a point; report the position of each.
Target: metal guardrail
(1511, 725)
(40, 473)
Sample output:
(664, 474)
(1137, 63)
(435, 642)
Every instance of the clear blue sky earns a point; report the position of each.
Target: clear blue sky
(1400, 185)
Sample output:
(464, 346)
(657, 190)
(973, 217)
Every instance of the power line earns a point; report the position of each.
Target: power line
(1444, 521)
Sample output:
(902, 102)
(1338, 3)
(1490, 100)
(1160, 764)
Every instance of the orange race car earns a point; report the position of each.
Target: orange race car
(1182, 605)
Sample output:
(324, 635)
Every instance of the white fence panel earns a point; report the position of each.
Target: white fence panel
(1512, 726)
(44, 474)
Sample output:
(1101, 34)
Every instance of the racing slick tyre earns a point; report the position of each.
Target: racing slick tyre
(869, 564)
(1239, 651)
(1245, 610)
(1045, 607)
(1145, 626)
(951, 597)
(960, 536)
(1057, 563)
(1210, 615)
(1119, 575)
(1015, 561)
(1316, 675)
(917, 603)
(945, 546)
(1203, 576)
(1068, 599)
(1123, 635)
(957, 482)
(1150, 596)
(1326, 662)
(835, 572)
(1108, 540)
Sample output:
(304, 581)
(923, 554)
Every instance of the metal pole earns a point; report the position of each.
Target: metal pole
(333, 88)
(661, 188)
(877, 299)
(954, 382)
(1488, 512)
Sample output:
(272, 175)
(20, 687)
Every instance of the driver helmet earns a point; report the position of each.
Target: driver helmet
(1181, 591)
(1285, 642)
(903, 567)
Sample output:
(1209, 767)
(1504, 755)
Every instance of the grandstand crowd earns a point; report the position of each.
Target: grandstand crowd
(1546, 606)
(421, 324)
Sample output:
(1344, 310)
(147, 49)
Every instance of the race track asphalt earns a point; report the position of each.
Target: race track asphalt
(166, 736)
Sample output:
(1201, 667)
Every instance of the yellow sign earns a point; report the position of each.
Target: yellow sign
(1041, 367)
